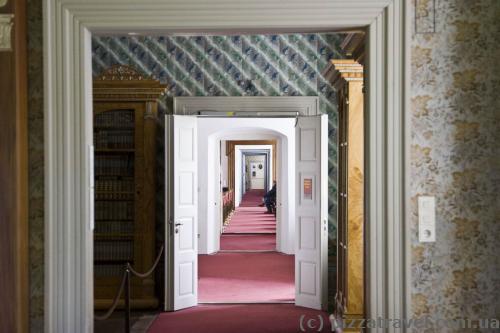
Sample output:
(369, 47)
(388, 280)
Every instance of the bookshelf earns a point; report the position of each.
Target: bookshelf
(125, 120)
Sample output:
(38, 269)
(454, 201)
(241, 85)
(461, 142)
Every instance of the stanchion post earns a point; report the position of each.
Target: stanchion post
(127, 300)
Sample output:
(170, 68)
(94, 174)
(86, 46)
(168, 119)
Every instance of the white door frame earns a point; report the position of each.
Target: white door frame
(68, 25)
(279, 129)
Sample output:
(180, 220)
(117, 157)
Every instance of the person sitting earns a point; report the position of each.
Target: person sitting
(270, 199)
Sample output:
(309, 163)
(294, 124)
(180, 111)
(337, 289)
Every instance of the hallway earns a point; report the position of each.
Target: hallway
(249, 287)
(247, 269)
(250, 226)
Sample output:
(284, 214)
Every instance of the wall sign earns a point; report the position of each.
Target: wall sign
(307, 188)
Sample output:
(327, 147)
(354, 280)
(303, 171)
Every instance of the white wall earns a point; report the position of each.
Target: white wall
(210, 132)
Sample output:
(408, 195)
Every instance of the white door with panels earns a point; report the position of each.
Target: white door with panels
(311, 251)
(182, 212)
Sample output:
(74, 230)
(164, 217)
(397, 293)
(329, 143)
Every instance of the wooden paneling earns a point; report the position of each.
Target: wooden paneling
(355, 190)
(347, 77)
(14, 177)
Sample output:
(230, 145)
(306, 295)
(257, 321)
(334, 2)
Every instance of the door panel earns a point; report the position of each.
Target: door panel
(182, 204)
(311, 218)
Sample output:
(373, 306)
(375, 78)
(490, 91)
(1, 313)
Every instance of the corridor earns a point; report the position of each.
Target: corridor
(247, 269)
(250, 227)
(248, 286)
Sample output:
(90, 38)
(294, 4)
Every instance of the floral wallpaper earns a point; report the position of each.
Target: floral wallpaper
(454, 155)
(455, 140)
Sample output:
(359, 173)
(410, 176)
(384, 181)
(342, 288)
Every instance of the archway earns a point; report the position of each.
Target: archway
(211, 131)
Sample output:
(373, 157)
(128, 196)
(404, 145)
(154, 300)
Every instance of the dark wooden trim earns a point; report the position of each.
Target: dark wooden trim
(14, 176)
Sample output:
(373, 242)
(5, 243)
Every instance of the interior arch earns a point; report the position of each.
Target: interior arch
(211, 131)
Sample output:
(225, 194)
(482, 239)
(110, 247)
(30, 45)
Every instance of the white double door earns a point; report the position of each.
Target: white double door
(181, 193)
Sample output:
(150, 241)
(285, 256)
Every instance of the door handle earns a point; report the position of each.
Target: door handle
(178, 224)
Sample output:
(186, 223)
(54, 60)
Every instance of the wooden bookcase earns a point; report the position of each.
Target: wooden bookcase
(125, 121)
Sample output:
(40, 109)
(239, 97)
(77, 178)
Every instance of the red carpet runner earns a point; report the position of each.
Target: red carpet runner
(249, 217)
(249, 318)
(256, 227)
(239, 277)
(246, 277)
(231, 276)
(245, 242)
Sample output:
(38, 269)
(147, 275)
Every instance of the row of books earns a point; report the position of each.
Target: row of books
(114, 250)
(108, 270)
(114, 118)
(112, 227)
(114, 184)
(114, 210)
(114, 165)
(114, 139)
(114, 196)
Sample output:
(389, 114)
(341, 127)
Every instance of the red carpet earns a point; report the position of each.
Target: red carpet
(252, 198)
(249, 217)
(238, 242)
(248, 318)
(246, 277)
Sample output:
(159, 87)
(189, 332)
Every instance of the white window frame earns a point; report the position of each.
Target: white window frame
(68, 25)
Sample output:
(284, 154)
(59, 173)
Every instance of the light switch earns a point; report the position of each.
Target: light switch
(426, 219)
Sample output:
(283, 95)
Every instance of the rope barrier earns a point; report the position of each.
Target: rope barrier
(115, 301)
(143, 275)
(126, 281)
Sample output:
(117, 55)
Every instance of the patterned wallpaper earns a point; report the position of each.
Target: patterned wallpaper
(251, 65)
(454, 155)
(455, 140)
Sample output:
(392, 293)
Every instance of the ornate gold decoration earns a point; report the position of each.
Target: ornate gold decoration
(121, 73)
(125, 83)
(5, 31)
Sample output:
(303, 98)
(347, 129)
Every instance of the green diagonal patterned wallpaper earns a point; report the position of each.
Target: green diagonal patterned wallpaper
(246, 65)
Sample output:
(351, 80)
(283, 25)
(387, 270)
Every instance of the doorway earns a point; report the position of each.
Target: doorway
(248, 224)
(255, 171)
(68, 134)
(304, 142)
(247, 268)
